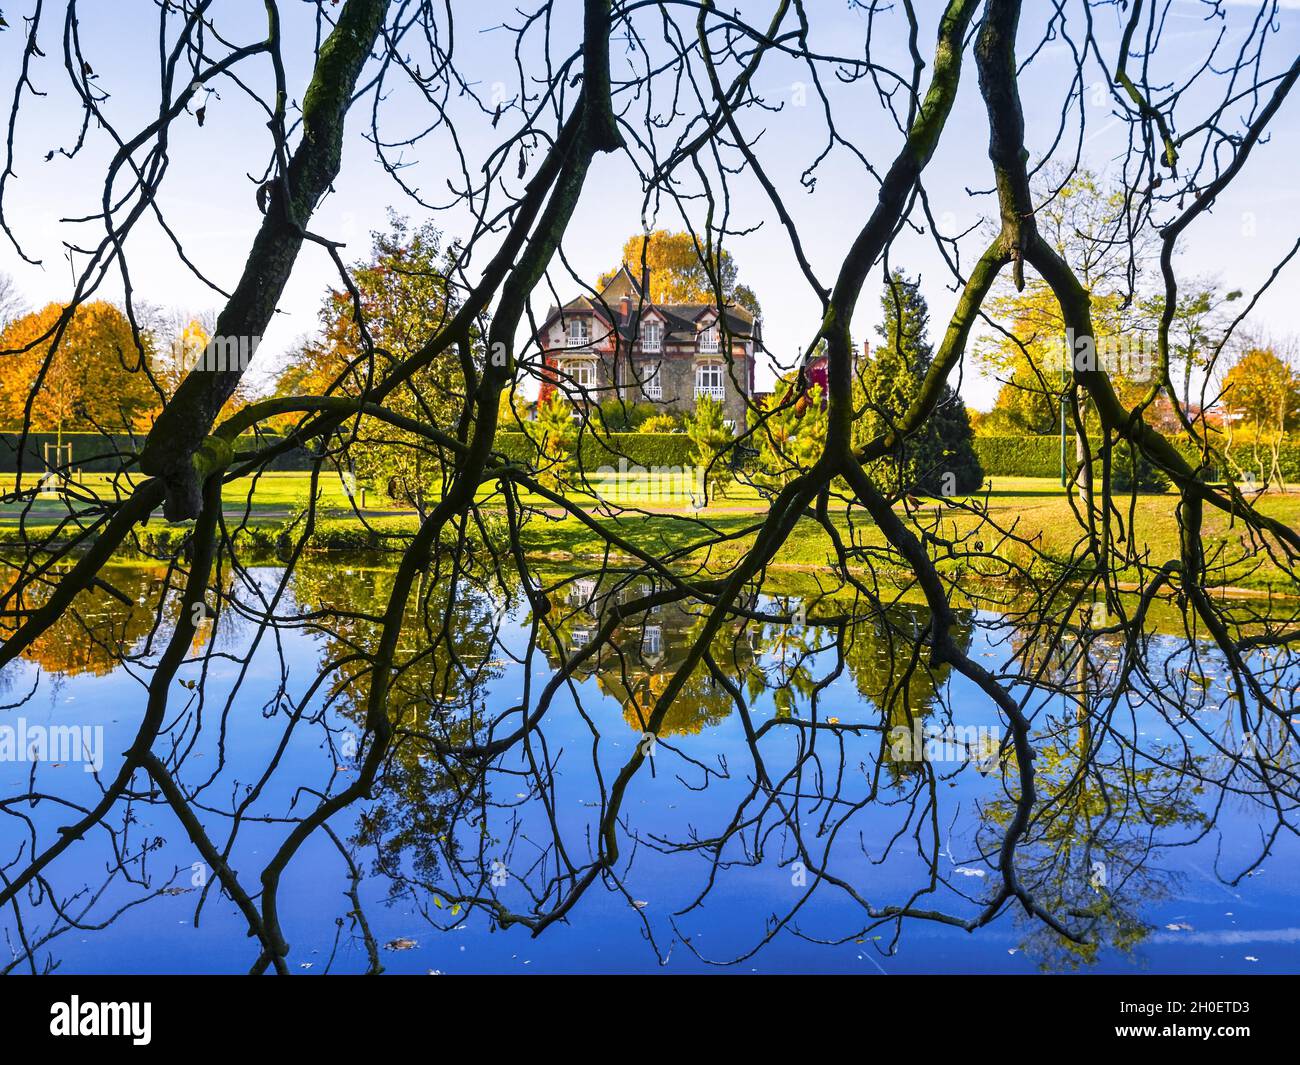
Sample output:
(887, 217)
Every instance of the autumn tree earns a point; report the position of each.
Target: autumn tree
(1199, 327)
(100, 379)
(1260, 393)
(1029, 349)
(685, 268)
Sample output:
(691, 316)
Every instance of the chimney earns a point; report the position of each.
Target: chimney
(625, 308)
(645, 284)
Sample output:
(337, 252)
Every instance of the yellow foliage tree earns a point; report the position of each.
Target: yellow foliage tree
(678, 273)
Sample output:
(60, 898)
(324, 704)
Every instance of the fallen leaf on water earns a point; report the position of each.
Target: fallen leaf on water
(401, 943)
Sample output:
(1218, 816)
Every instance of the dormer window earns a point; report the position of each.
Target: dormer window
(578, 334)
(709, 344)
(652, 332)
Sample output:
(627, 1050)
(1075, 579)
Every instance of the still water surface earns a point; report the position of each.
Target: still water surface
(1168, 909)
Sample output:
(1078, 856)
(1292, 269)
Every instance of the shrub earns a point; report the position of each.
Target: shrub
(660, 423)
(617, 416)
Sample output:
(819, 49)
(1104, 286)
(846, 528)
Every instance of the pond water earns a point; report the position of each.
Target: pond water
(768, 839)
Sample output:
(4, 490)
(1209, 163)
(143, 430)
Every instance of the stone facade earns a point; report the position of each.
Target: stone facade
(611, 346)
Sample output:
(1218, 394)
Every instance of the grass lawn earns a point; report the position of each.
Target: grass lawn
(1037, 509)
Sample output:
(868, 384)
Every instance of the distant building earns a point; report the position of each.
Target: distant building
(622, 344)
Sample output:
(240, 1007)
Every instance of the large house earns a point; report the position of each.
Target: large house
(621, 344)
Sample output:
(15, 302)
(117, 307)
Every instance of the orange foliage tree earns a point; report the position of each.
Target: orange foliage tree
(97, 379)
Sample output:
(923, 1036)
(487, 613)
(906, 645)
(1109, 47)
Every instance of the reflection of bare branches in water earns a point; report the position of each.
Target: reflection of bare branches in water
(467, 755)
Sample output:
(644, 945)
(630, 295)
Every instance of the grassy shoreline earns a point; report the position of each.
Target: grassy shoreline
(1035, 510)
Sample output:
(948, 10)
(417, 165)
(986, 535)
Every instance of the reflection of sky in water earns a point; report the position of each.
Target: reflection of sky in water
(1201, 925)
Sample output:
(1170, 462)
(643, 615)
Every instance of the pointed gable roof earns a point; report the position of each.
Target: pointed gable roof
(620, 285)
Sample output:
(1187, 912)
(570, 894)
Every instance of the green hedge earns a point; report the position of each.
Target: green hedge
(1040, 456)
(98, 453)
(1001, 456)
(1022, 456)
(90, 451)
(636, 449)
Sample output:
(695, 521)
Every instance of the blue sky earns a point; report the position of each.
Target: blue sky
(210, 200)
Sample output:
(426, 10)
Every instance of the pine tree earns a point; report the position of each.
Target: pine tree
(556, 437)
(710, 435)
(940, 458)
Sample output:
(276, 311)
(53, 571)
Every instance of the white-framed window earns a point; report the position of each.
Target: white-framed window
(709, 342)
(577, 333)
(652, 334)
(652, 381)
(708, 379)
(582, 372)
(652, 640)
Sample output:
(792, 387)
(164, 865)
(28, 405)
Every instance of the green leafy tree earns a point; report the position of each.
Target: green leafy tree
(1135, 473)
(405, 298)
(619, 416)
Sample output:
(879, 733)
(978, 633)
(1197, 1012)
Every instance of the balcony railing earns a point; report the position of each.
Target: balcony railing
(577, 340)
(653, 390)
(716, 391)
(709, 344)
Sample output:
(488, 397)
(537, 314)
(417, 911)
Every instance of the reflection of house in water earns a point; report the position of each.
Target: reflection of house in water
(894, 685)
(646, 650)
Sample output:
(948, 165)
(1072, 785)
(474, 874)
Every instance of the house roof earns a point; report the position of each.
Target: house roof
(681, 319)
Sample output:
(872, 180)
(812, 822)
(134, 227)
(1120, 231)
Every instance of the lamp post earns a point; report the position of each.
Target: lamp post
(1064, 477)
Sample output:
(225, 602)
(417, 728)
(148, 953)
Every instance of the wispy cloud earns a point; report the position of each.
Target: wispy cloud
(1230, 937)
